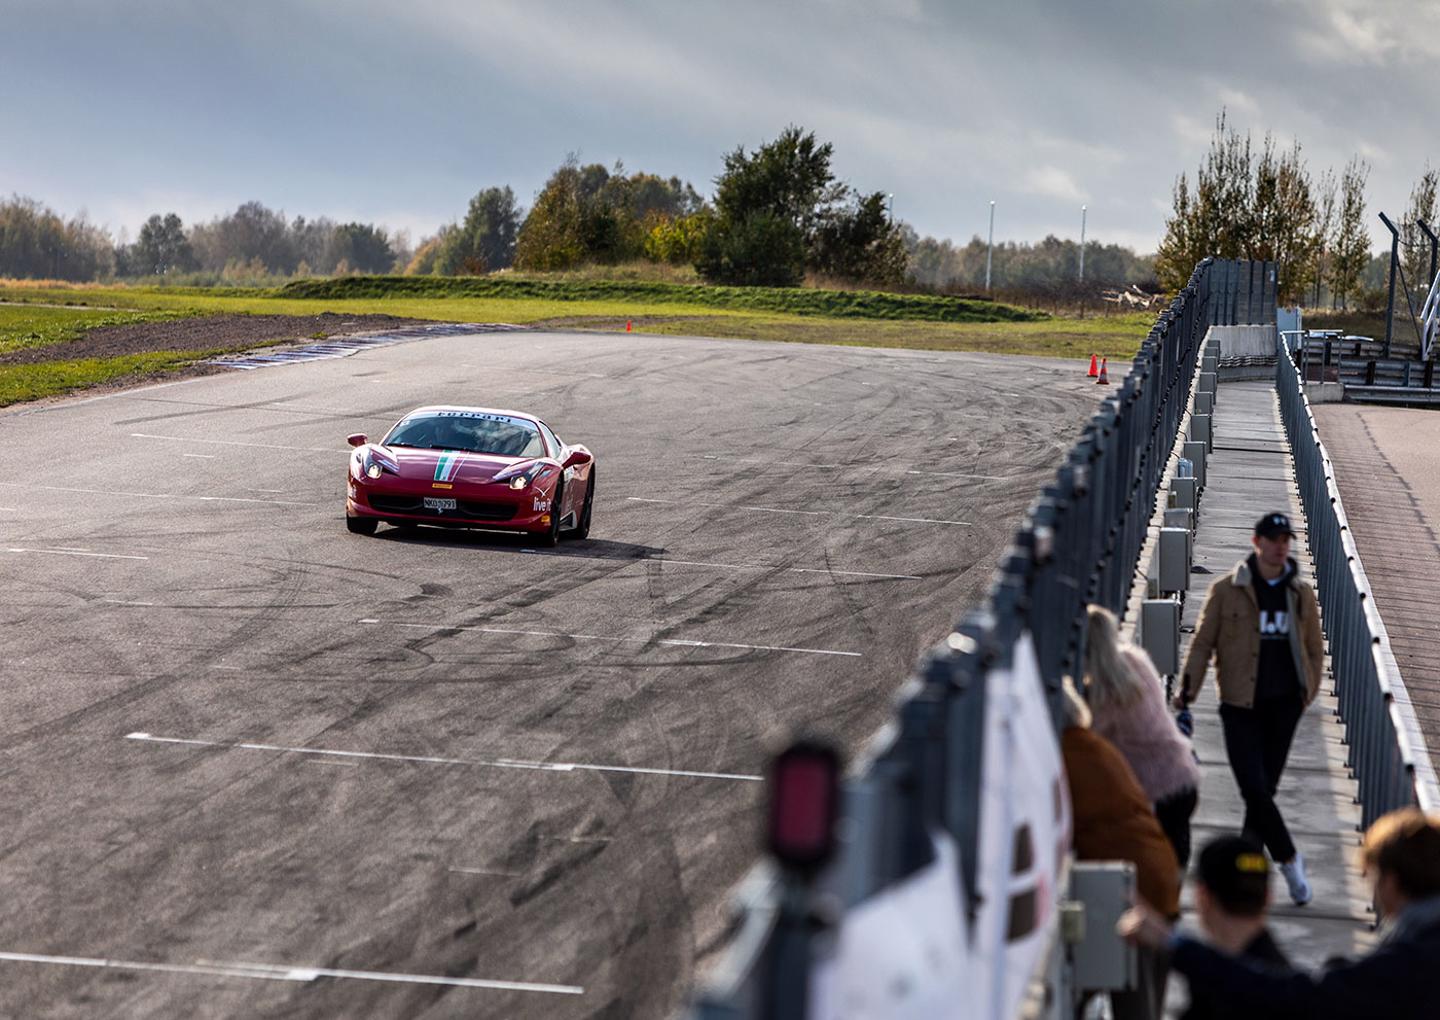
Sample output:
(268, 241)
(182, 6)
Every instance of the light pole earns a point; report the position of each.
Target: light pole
(1082, 244)
(890, 207)
(989, 246)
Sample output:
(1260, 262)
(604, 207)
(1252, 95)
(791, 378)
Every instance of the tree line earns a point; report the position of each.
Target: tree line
(250, 243)
(1261, 202)
(779, 214)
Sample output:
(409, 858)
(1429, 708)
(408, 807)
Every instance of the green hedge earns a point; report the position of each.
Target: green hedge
(789, 300)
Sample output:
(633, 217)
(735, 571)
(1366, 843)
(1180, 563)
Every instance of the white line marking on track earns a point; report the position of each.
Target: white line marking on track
(236, 442)
(12, 509)
(77, 552)
(727, 566)
(200, 456)
(122, 602)
(807, 513)
(673, 642)
(498, 763)
(286, 972)
(486, 871)
(157, 495)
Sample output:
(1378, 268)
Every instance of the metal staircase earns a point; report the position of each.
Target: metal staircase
(1430, 319)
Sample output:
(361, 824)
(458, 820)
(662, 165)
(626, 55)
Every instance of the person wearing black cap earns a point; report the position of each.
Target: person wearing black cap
(1232, 893)
(1395, 980)
(1261, 622)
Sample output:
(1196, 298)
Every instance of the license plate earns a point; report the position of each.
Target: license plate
(437, 503)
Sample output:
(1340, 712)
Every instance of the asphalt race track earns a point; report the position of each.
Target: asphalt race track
(253, 765)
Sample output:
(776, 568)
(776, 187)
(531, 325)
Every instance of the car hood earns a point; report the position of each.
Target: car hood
(443, 465)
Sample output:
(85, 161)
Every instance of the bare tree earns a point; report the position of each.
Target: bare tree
(1350, 250)
(1283, 218)
(1324, 225)
(1414, 245)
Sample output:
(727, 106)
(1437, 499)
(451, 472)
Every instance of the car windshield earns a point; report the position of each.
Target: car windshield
(471, 431)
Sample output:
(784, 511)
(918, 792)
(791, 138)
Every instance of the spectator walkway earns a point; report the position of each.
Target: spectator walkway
(1249, 473)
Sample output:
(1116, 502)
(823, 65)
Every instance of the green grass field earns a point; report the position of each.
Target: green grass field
(812, 316)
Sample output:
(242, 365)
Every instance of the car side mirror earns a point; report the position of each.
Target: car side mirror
(358, 439)
(576, 458)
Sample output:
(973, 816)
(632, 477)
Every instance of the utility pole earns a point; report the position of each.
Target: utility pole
(989, 246)
(1082, 244)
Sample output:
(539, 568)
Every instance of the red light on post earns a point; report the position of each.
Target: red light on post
(804, 785)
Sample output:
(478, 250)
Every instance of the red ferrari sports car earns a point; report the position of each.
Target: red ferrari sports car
(471, 467)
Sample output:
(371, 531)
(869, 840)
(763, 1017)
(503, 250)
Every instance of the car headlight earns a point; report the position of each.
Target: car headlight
(373, 469)
(520, 475)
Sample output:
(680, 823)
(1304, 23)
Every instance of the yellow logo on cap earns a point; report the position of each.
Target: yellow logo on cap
(1252, 863)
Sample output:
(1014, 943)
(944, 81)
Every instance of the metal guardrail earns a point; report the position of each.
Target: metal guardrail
(1080, 543)
(1387, 751)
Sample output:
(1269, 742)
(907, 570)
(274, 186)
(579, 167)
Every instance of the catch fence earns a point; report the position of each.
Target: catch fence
(961, 796)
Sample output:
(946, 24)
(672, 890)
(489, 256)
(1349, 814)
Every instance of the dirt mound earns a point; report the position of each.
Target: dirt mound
(204, 333)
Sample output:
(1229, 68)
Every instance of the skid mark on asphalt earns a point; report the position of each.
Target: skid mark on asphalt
(802, 513)
(669, 642)
(288, 972)
(236, 442)
(861, 467)
(156, 495)
(761, 567)
(497, 763)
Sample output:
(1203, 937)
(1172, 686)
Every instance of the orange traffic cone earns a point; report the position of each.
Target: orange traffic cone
(628, 325)
(1094, 368)
(1104, 379)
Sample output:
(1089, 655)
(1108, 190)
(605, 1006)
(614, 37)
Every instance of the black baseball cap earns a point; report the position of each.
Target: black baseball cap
(1236, 872)
(1273, 526)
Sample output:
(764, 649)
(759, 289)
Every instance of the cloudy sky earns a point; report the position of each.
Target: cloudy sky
(397, 111)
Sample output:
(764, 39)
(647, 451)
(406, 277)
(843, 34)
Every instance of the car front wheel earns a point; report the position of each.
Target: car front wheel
(361, 525)
(551, 537)
(582, 529)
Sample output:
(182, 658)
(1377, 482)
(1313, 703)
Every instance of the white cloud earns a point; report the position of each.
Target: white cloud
(1052, 182)
(1240, 102)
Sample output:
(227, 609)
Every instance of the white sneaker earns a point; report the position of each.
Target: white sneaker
(1294, 873)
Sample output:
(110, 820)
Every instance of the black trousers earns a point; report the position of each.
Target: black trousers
(1257, 742)
(1173, 813)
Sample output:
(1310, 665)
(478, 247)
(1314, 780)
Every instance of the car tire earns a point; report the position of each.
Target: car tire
(582, 529)
(551, 538)
(361, 525)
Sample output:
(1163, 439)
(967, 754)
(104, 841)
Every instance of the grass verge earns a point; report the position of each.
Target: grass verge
(19, 383)
(30, 326)
(915, 322)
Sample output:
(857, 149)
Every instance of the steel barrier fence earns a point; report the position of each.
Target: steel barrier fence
(1079, 543)
(1387, 752)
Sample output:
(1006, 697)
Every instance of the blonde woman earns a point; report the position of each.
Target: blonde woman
(1127, 700)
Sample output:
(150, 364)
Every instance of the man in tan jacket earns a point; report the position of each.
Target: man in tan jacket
(1262, 624)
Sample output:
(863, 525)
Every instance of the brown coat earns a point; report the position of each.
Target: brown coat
(1229, 628)
(1113, 821)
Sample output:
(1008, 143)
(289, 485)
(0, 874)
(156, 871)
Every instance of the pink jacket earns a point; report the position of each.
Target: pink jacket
(1147, 736)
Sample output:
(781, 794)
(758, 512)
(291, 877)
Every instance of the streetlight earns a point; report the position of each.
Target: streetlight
(989, 245)
(1082, 244)
(890, 207)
